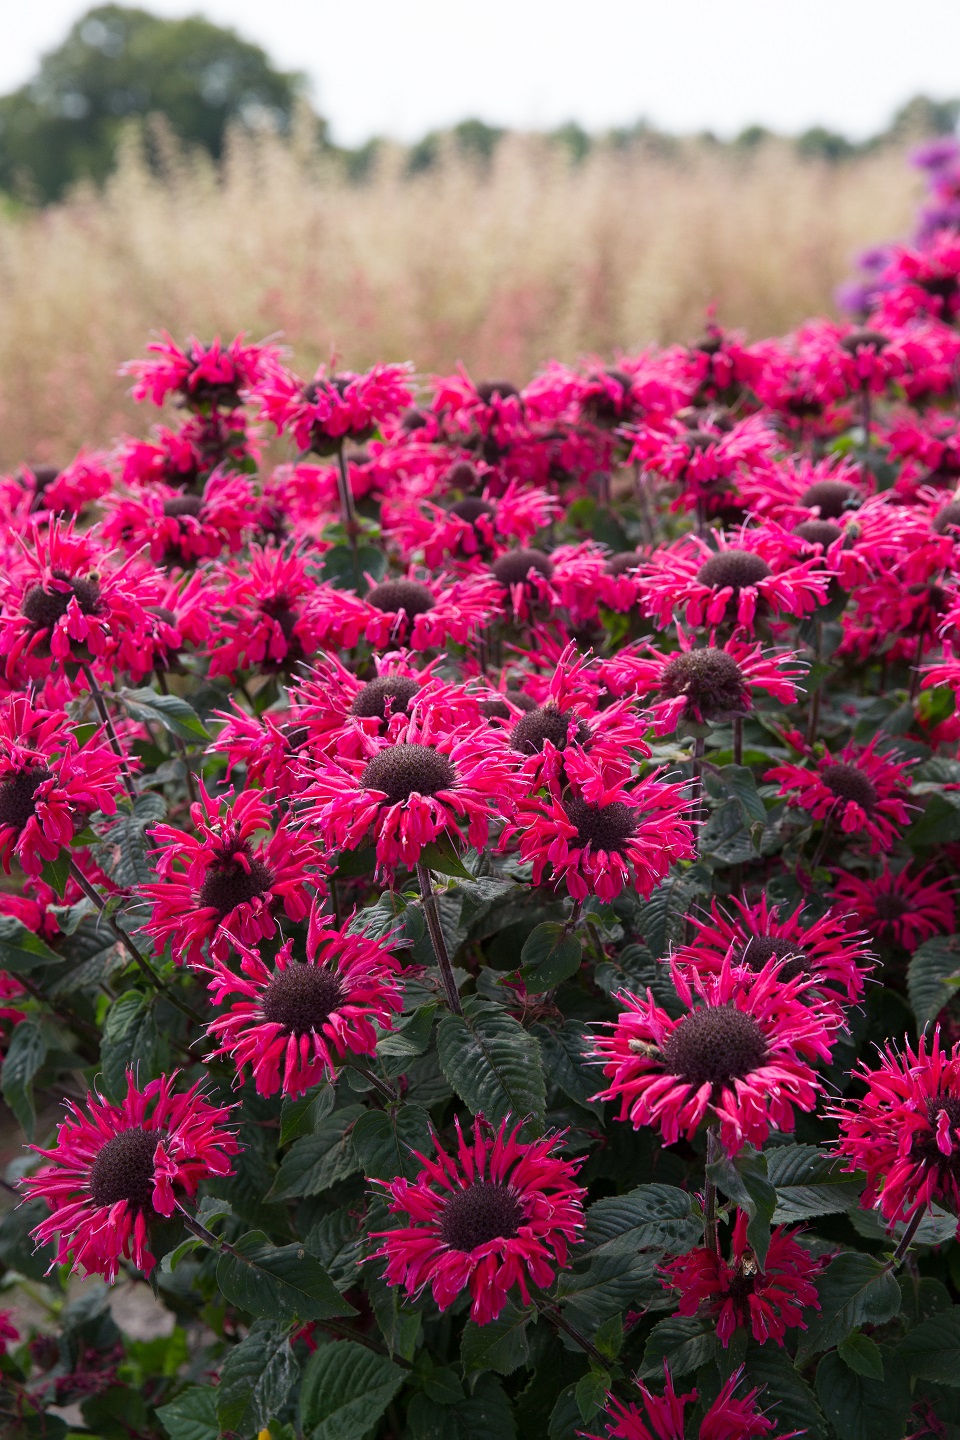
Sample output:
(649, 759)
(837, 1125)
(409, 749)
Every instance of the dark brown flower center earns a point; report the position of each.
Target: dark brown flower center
(889, 906)
(463, 476)
(472, 508)
(480, 1213)
(832, 498)
(761, 948)
(405, 770)
(514, 568)
(123, 1170)
(714, 1045)
(864, 340)
(547, 722)
(623, 562)
(489, 390)
(604, 827)
(183, 505)
(229, 883)
(947, 519)
(711, 680)
(849, 783)
(924, 1146)
(818, 532)
(394, 595)
(301, 997)
(17, 795)
(735, 568)
(397, 690)
(43, 608)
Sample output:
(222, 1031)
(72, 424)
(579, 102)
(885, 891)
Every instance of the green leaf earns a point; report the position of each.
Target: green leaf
(787, 1397)
(300, 1115)
(809, 1183)
(745, 1181)
(862, 1355)
(122, 853)
(484, 1415)
(563, 1053)
(854, 1290)
(317, 1161)
(684, 1342)
(278, 1282)
(56, 872)
(257, 1376)
(25, 1055)
(549, 956)
(591, 1393)
(384, 1141)
(493, 1064)
(933, 976)
(610, 1283)
(441, 857)
(340, 570)
(346, 1388)
(131, 1040)
(20, 950)
(501, 1345)
(192, 1415)
(938, 825)
(170, 711)
(412, 1037)
(931, 1351)
(659, 1218)
(859, 1408)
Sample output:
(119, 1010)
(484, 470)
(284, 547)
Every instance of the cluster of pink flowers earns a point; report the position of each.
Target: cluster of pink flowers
(420, 651)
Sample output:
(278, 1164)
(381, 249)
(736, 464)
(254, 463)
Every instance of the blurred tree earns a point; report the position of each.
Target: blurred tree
(119, 63)
(819, 143)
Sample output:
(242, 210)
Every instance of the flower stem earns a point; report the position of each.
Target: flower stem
(711, 1238)
(917, 675)
(124, 939)
(180, 743)
(374, 1080)
(552, 1314)
(906, 1240)
(436, 937)
(107, 724)
(347, 513)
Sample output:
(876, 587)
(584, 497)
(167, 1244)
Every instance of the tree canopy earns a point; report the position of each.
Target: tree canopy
(119, 63)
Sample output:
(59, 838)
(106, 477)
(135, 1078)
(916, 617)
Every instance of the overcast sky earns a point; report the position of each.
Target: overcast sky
(381, 68)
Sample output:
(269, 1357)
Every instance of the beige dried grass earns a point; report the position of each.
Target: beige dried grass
(500, 267)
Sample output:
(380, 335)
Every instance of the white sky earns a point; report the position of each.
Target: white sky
(380, 67)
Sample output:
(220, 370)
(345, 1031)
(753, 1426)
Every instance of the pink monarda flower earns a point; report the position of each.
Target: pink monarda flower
(741, 1055)
(216, 881)
(861, 791)
(737, 1294)
(49, 785)
(65, 600)
(8, 1331)
(267, 747)
(405, 795)
(474, 525)
(905, 1131)
(704, 463)
(332, 408)
(116, 1167)
(180, 529)
(297, 1021)
(662, 1417)
(899, 906)
(825, 950)
(732, 581)
(496, 1214)
(262, 619)
(532, 584)
(600, 834)
(418, 612)
(201, 376)
(703, 684)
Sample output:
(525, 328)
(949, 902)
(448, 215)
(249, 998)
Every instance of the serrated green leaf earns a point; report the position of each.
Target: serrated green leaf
(563, 1053)
(345, 1390)
(591, 1393)
(192, 1415)
(859, 1408)
(131, 1040)
(171, 711)
(483, 1415)
(854, 1290)
(316, 1162)
(24, 1057)
(20, 950)
(442, 858)
(610, 1283)
(659, 1218)
(493, 1064)
(684, 1342)
(300, 1115)
(787, 1397)
(862, 1355)
(257, 1376)
(809, 1183)
(500, 1345)
(931, 1351)
(278, 1282)
(550, 955)
(933, 976)
(384, 1141)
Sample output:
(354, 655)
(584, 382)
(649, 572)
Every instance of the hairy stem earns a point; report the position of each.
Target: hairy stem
(180, 743)
(107, 723)
(711, 1238)
(906, 1240)
(552, 1314)
(436, 938)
